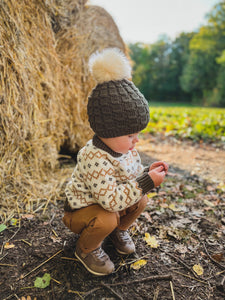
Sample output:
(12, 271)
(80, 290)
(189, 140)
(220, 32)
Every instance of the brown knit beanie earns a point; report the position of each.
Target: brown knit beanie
(115, 107)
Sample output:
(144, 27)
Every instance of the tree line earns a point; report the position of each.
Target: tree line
(190, 68)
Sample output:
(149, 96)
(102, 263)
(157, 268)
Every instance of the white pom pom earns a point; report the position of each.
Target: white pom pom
(110, 64)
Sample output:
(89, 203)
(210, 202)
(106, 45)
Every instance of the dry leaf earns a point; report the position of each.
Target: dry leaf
(9, 246)
(138, 264)
(27, 216)
(208, 203)
(151, 240)
(163, 205)
(147, 216)
(210, 188)
(151, 195)
(189, 188)
(198, 269)
(55, 239)
(217, 256)
(221, 186)
(173, 207)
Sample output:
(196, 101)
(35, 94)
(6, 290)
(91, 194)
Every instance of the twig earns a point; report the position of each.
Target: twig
(8, 265)
(191, 277)
(111, 290)
(222, 281)
(50, 222)
(183, 263)
(69, 258)
(212, 259)
(56, 280)
(133, 261)
(10, 296)
(3, 256)
(172, 291)
(75, 292)
(44, 262)
(156, 293)
(91, 291)
(156, 277)
(217, 274)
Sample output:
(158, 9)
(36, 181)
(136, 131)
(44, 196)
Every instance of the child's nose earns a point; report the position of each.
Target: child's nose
(136, 139)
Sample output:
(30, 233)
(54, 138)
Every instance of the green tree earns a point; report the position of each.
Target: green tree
(203, 73)
(157, 67)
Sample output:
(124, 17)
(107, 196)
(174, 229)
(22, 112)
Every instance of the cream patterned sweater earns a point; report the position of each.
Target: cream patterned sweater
(114, 181)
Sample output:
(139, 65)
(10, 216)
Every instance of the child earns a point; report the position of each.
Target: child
(109, 185)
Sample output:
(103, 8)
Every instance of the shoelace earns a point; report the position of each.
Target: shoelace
(99, 253)
(124, 235)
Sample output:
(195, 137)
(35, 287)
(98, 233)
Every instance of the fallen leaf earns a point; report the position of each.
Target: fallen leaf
(27, 216)
(181, 248)
(217, 256)
(42, 282)
(208, 203)
(55, 239)
(173, 207)
(13, 221)
(210, 188)
(2, 227)
(9, 246)
(138, 264)
(163, 205)
(221, 186)
(151, 240)
(198, 269)
(189, 188)
(151, 195)
(147, 216)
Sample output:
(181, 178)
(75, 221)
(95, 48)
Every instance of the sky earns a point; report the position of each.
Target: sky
(146, 20)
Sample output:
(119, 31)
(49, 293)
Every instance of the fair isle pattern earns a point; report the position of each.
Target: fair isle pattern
(101, 178)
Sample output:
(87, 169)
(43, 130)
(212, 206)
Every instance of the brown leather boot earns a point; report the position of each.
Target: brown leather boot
(122, 241)
(96, 262)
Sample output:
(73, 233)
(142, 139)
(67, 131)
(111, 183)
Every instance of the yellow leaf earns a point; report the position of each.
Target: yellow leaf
(151, 195)
(173, 207)
(151, 240)
(221, 186)
(138, 264)
(13, 221)
(9, 246)
(198, 269)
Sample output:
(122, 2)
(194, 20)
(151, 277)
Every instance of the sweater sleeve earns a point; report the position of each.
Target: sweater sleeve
(145, 182)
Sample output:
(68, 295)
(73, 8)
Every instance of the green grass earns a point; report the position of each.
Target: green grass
(195, 123)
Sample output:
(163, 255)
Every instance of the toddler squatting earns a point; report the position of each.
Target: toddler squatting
(108, 188)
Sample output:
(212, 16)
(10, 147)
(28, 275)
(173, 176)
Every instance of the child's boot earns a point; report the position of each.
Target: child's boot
(96, 262)
(122, 241)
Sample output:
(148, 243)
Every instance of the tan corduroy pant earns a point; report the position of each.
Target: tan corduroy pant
(94, 223)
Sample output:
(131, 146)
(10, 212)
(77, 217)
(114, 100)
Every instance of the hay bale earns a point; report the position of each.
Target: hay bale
(82, 34)
(45, 82)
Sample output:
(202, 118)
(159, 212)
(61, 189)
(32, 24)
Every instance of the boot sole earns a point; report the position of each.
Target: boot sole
(90, 270)
(124, 253)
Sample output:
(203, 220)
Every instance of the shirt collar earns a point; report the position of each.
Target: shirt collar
(97, 142)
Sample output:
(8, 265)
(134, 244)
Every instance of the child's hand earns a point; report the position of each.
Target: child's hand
(157, 175)
(159, 163)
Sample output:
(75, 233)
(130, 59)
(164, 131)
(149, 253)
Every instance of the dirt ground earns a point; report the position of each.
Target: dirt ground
(204, 160)
(186, 216)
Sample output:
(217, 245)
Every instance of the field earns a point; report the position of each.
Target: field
(185, 218)
(195, 123)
